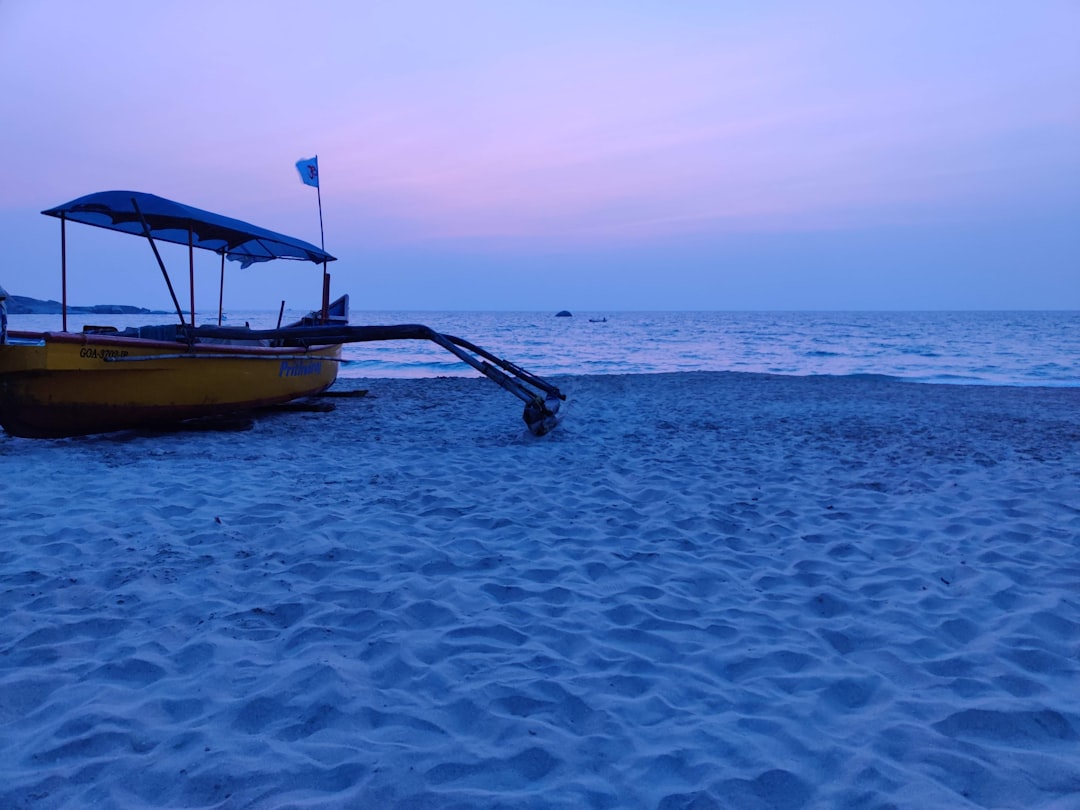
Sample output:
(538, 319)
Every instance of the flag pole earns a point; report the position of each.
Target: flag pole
(309, 174)
(322, 244)
(318, 193)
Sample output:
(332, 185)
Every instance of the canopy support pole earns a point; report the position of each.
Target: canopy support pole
(63, 271)
(191, 271)
(221, 290)
(161, 264)
(325, 295)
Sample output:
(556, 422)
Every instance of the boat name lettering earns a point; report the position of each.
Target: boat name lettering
(299, 368)
(93, 353)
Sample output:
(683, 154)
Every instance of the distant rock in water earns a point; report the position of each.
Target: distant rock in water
(563, 314)
(21, 305)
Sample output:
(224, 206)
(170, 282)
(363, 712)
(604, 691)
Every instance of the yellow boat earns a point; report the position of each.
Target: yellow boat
(66, 384)
(101, 379)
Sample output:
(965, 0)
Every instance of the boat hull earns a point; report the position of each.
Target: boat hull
(58, 384)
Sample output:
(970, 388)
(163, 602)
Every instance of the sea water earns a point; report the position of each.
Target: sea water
(1004, 348)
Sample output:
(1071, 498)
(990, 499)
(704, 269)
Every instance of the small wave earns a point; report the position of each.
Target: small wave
(864, 375)
(1014, 349)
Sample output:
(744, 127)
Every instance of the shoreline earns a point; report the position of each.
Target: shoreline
(977, 348)
(716, 587)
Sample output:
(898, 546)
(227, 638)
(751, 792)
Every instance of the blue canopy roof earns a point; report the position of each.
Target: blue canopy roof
(173, 222)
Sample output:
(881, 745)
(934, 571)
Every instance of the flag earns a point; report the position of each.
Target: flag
(309, 171)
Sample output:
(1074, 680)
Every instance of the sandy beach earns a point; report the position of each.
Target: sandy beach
(703, 590)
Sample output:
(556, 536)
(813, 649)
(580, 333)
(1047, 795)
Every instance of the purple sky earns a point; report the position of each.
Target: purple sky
(579, 155)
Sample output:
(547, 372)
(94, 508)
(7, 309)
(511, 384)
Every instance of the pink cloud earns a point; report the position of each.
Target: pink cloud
(489, 124)
(649, 134)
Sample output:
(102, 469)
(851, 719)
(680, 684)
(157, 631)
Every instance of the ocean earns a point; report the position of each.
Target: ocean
(1023, 348)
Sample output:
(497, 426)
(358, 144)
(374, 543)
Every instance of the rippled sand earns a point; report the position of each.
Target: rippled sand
(702, 590)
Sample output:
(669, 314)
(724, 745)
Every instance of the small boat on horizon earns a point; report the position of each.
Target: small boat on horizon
(101, 379)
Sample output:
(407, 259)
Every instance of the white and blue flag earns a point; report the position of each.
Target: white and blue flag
(309, 171)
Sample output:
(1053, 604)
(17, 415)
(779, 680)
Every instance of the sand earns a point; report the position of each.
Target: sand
(701, 591)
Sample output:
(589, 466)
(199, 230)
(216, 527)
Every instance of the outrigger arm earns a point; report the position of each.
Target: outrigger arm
(541, 398)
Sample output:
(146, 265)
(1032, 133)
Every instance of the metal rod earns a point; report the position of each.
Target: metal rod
(63, 271)
(221, 290)
(513, 382)
(3, 316)
(280, 313)
(541, 413)
(191, 270)
(318, 193)
(161, 264)
(325, 295)
(322, 244)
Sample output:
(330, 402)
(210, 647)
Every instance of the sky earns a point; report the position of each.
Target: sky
(585, 155)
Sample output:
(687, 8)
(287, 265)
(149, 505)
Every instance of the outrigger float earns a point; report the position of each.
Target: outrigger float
(102, 379)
